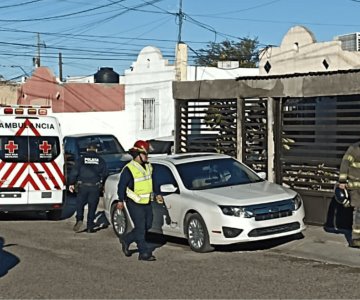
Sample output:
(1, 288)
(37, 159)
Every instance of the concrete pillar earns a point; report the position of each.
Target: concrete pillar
(270, 139)
(181, 62)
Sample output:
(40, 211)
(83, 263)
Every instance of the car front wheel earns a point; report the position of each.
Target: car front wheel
(119, 221)
(197, 234)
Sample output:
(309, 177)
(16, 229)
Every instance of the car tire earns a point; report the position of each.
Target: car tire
(119, 220)
(54, 215)
(197, 234)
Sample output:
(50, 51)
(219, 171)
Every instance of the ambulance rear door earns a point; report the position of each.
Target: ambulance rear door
(32, 161)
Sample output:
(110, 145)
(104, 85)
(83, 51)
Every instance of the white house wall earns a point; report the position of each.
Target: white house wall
(150, 76)
(300, 53)
(114, 122)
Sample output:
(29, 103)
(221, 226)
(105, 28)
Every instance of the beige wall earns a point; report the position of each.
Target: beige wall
(300, 53)
(8, 93)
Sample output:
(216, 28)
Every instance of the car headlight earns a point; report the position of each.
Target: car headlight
(236, 211)
(296, 201)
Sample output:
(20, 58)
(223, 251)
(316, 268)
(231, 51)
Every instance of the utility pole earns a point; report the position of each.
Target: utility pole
(181, 16)
(60, 67)
(36, 59)
(181, 56)
(37, 64)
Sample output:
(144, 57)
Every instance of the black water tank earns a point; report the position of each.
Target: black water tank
(106, 75)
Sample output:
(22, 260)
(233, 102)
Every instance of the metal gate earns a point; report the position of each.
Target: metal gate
(313, 135)
(212, 126)
(207, 126)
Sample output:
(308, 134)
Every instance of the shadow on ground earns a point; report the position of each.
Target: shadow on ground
(158, 240)
(7, 259)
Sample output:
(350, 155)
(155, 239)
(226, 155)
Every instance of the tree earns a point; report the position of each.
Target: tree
(245, 52)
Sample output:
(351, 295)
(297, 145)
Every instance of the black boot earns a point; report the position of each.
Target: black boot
(125, 248)
(147, 257)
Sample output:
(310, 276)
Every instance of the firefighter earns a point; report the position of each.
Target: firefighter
(136, 189)
(88, 176)
(349, 178)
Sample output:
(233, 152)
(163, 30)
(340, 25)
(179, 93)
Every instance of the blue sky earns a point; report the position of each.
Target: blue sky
(110, 33)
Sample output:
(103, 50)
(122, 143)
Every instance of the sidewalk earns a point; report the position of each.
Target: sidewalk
(329, 247)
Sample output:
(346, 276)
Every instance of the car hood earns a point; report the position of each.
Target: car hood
(115, 162)
(247, 194)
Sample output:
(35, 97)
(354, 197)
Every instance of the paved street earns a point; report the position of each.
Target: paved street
(41, 259)
(46, 259)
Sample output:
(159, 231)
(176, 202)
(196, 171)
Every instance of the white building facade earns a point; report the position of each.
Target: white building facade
(149, 105)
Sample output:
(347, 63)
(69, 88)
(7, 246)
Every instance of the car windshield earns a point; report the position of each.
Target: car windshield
(105, 144)
(215, 173)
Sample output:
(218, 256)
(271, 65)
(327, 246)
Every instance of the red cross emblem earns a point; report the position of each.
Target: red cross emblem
(11, 147)
(45, 147)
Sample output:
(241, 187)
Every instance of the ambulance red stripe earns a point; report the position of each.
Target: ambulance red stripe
(51, 176)
(22, 128)
(58, 171)
(7, 173)
(31, 181)
(18, 174)
(40, 176)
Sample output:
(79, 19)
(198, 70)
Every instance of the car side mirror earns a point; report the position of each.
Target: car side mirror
(262, 175)
(168, 188)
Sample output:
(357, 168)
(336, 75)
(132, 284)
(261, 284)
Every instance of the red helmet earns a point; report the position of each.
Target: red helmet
(140, 146)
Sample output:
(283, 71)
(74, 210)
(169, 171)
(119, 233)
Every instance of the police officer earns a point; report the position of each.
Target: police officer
(136, 189)
(349, 178)
(88, 174)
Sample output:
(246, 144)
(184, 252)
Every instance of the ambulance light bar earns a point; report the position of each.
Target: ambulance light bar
(29, 110)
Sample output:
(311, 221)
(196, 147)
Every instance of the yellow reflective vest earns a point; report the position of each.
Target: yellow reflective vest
(143, 186)
(350, 167)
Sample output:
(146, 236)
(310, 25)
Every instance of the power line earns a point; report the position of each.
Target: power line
(62, 16)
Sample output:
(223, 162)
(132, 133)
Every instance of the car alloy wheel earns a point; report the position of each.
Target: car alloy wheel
(197, 234)
(119, 221)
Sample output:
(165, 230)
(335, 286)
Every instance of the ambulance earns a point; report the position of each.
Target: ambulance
(31, 160)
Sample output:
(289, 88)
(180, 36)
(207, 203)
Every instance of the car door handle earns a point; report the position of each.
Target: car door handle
(39, 172)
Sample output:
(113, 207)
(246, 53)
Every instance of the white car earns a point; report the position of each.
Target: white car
(213, 199)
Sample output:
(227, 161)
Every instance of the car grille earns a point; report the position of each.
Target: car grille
(274, 229)
(274, 210)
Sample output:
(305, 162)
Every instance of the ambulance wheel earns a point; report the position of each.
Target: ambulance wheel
(54, 215)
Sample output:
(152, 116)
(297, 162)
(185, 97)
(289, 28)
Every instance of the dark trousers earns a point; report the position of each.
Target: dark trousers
(142, 217)
(87, 195)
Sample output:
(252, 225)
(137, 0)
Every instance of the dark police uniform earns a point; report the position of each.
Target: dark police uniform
(88, 173)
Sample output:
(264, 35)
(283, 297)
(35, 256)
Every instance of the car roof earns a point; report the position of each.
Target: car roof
(181, 158)
(80, 135)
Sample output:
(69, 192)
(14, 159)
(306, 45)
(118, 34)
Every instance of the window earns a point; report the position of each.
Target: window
(162, 175)
(105, 144)
(148, 113)
(29, 148)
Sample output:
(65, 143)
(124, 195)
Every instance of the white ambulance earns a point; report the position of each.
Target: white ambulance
(31, 160)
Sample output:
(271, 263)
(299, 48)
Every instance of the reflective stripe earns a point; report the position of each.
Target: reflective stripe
(354, 184)
(355, 165)
(357, 231)
(349, 157)
(343, 176)
(132, 195)
(142, 178)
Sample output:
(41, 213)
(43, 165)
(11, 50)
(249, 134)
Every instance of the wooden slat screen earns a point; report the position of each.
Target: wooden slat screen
(315, 134)
(207, 126)
(254, 134)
